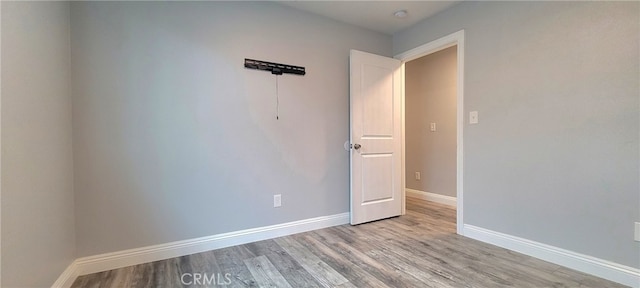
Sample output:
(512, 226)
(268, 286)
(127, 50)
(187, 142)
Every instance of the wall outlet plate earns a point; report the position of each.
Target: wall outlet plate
(277, 200)
(473, 117)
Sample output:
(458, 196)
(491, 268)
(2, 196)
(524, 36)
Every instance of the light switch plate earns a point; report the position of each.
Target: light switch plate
(433, 127)
(636, 235)
(473, 117)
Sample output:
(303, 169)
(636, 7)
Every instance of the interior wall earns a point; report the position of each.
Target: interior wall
(174, 139)
(430, 97)
(555, 155)
(38, 239)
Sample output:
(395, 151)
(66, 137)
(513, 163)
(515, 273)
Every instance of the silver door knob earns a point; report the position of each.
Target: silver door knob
(356, 146)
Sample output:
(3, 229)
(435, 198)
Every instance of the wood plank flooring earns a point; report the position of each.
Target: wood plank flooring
(419, 249)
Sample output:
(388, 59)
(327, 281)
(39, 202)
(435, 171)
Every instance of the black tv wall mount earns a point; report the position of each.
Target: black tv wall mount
(274, 68)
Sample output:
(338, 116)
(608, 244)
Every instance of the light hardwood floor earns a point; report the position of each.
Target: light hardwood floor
(419, 249)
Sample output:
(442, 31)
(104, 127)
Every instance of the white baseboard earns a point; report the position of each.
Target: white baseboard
(86, 265)
(67, 277)
(598, 267)
(433, 197)
(114, 260)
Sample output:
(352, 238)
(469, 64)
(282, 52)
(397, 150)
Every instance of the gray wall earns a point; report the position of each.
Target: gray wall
(38, 237)
(430, 97)
(555, 156)
(174, 139)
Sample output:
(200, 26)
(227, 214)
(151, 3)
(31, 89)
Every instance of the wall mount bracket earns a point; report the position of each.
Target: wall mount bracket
(274, 68)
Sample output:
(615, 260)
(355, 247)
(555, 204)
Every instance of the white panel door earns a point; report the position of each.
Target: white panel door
(375, 137)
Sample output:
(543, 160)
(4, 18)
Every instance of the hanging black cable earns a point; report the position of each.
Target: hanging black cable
(277, 100)
(276, 69)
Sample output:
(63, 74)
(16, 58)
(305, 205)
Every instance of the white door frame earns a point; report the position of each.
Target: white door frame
(1, 178)
(455, 39)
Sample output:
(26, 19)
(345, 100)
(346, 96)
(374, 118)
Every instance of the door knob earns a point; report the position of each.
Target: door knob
(356, 146)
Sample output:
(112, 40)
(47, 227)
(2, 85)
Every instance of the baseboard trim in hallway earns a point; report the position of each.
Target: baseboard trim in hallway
(433, 197)
(594, 266)
(119, 259)
(67, 277)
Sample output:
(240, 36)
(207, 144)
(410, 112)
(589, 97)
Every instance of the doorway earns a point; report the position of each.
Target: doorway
(450, 191)
(430, 113)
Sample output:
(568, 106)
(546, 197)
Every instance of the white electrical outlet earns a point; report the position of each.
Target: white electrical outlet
(277, 200)
(433, 127)
(636, 235)
(417, 175)
(473, 117)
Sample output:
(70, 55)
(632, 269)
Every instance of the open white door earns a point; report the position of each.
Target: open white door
(376, 163)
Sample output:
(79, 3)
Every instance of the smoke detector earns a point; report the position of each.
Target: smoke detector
(401, 14)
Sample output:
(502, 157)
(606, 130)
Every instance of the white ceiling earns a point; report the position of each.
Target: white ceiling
(373, 15)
